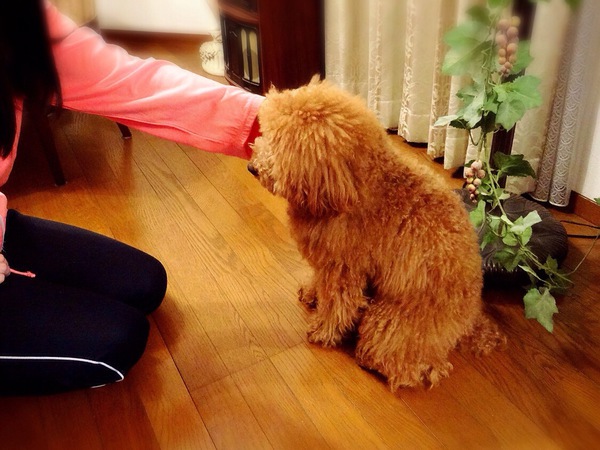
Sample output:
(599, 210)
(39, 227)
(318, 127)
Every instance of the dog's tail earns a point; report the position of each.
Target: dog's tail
(484, 336)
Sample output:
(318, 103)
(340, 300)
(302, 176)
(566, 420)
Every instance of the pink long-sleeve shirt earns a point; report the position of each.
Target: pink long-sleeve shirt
(154, 96)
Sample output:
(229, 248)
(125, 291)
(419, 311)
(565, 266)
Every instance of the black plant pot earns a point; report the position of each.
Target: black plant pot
(549, 238)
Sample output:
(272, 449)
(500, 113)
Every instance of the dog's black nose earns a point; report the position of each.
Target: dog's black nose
(253, 170)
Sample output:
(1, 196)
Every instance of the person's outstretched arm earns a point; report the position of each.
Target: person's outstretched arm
(154, 96)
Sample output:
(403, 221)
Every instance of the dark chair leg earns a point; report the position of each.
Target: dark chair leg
(42, 121)
(48, 146)
(125, 131)
(50, 151)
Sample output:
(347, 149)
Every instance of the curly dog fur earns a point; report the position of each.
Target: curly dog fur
(395, 257)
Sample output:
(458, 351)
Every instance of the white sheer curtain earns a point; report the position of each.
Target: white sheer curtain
(363, 52)
(573, 116)
(548, 38)
(390, 52)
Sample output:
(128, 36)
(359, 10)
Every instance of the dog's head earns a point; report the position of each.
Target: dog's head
(311, 140)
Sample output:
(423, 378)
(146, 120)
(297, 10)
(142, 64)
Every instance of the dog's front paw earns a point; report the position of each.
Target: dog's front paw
(308, 297)
(318, 333)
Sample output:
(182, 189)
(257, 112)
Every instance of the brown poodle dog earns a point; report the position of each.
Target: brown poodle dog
(395, 257)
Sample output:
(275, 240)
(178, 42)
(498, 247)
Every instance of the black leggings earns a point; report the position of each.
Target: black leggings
(81, 321)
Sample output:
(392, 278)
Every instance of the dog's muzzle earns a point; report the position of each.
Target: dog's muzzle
(253, 170)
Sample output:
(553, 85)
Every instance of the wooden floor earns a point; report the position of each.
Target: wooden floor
(228, 366)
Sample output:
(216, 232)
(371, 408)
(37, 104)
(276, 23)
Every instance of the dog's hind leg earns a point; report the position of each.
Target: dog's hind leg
(340, 304)
(407, 347)
(484, 337)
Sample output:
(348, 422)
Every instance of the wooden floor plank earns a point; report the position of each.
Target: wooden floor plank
(69, 421)
(228, 418)
(166, 399)
(51, 422)
(338, 420)
(276, 408)
(132, 430)
(394, 421)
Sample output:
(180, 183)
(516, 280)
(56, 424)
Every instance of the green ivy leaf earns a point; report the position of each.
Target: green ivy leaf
(487, 239)
(459, 123)
(445, 120)
(491, 103)
(503, 195)
(524, 57)
(509, 258)
(501, 92)
(551, 264)
(515, 98)
(528, 270)
(473, 112)
(522, 228)
(469, 92)
(477, 216)
(480, 14)
(513, 165)
(533, 276)
(510, 112)
(467, 43)
(498, 195)
(597, 200)
(540, 306)
(525, 236)
(498, 3)
(525, 88)
(473, 98)
(494, 223)
(504, 218)
(523, 223)
(505, 255)
(510, 239)
(531, 219)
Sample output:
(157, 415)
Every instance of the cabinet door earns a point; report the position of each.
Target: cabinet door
(241, 50)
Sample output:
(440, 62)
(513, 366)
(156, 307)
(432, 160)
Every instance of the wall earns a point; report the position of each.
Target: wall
(589, 183)
(81, 11)
(161, 16)
(585, 166)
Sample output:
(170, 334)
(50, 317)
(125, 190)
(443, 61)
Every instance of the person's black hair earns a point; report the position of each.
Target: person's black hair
(27, 68)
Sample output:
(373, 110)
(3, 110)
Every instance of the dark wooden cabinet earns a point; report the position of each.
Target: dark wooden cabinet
(272, 42)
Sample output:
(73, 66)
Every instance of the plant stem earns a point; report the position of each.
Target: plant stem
(585, 256)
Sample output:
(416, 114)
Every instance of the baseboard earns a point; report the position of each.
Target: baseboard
(585, 208)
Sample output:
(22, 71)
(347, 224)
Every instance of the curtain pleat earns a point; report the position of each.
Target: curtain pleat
(363, 52)
(547, 44)
(565, 127)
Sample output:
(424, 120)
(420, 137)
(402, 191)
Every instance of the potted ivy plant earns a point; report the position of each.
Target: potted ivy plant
(486, 48)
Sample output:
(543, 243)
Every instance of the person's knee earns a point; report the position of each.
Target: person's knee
(151, 286)
(124, 343)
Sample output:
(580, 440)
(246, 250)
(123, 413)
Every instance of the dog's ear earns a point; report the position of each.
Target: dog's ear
(323, 186)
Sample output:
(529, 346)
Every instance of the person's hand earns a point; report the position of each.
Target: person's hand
(4, 269)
